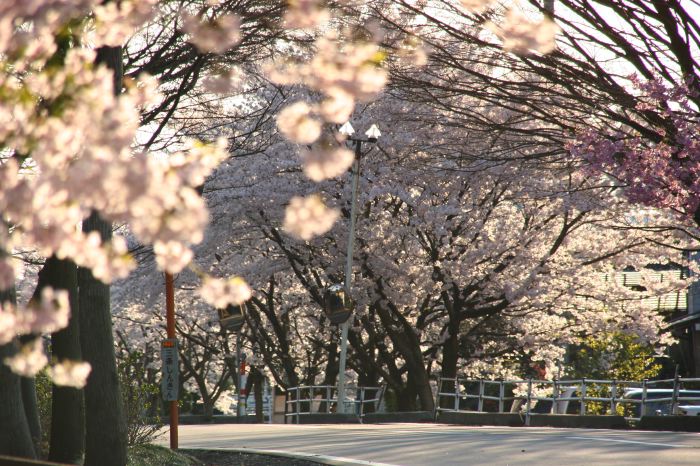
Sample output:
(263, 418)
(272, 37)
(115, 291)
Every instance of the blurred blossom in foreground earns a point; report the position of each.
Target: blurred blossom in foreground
(521, 36)
(172, 256)
(337, 107)
(297, 125)
(224, 83)
(476, 6)
(51, 313)
(8, 323)
(324, 163)
(115, 22)
(29, 360)
(305, 14)
(7, 273)
(215, 35)
(306, 217)
(70, 373)
(221, 292)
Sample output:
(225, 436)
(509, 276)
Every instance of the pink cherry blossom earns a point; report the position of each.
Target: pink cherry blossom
(305, 14)
(522, 36)
(297, 125)
(476, 6)
(70, 373)
(8, 324)
(51, 313)
(172, 256)
(661, 174)
(7, 273)
(337, 106)
(29, 360)
(306, 217)
(222, 292)
(223, 83)
(216, 35)
(322, 163)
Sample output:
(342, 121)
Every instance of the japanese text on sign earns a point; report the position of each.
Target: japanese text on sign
(170, 370)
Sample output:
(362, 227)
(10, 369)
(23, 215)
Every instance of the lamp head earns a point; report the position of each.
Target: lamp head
(373, 133)
(347, 129)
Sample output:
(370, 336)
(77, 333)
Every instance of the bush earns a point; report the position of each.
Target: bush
(141, 400)
(613, 356)
(153, 455)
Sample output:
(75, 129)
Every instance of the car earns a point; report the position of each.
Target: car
(659, 402)
(689, 410)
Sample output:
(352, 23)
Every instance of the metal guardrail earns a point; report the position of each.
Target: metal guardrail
(590, 396)
(320, 399)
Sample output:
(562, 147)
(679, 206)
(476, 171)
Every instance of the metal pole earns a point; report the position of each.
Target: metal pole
(238, 373)
(170, 328)
(348, 277)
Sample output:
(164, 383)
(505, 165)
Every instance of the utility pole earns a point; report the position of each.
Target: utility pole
(170, 328)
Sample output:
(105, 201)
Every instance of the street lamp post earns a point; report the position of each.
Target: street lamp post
(372, 134)
(232, 318)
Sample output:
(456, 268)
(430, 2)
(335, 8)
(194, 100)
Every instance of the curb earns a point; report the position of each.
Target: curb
(412, 417)
(313, 457)
(670, 423)
(481, 419)
(575, 421)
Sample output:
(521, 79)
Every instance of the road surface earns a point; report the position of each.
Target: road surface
(442, 445)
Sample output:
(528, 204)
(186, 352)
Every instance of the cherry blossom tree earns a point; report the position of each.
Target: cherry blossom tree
(464, 245)
(479, 265)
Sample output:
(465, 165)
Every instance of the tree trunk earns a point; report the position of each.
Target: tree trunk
(450, 356)
(15, 436)
(258, 381)
(31, 411)
(408, 345)
(208, 408)
(67, 442)
(406, 398)
(105, 421)
(31, 408)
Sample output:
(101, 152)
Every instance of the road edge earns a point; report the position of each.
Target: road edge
(315, 457)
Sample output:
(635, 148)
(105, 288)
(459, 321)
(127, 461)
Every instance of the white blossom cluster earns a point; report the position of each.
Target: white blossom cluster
(67, 143)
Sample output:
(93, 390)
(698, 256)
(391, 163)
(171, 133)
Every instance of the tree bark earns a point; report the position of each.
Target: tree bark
(450, 356)
(31, 407)
(15, 436)
(67, 443)
(105, 421)
(31, 411)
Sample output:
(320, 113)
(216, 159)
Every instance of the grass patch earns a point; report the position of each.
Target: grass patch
(154, 455)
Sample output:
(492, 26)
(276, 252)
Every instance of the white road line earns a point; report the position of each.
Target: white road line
(628, 441)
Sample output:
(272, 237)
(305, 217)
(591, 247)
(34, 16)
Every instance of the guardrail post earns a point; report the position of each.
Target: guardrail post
(555, 395)
(456, 379)
(286, 404)
(582, 411)
(529, 397)
(674, 397)
(481, 395)
(501, 395)
(298, 404)
(613, 396)
(328, 399)
(362, 402)
(438, 399)
(643, 409)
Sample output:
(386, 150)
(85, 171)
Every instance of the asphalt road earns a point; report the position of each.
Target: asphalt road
(441, 445)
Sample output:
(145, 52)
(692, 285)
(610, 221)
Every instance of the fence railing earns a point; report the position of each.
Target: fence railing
(319, 399)
(631, 399)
